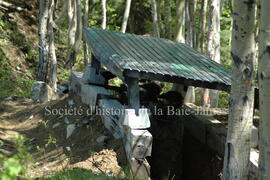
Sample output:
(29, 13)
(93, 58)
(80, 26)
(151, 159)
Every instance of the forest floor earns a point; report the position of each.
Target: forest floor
(46, 135)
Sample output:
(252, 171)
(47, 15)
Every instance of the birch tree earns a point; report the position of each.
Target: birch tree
(180, 17)
(160, 4)
(202, 25)
(126, 15)
(78, 34)
(155, 18)
(189, 20)
(52, 75)
(213, 43)
(205, 100)
(179, 33)
(264, 85)
(43, 43)
(104, 14)
(237, 147)
(63, 13)
(72, 21)
(85, 24)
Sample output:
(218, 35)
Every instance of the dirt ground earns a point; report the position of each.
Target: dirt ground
(46, 134)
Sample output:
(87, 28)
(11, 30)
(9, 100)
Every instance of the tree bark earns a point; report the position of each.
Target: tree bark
(237, 147)
(213, 44)
(126, 15)
(203, 25)
(85, 24)
(180, 17)
(43, 44)
(189, 20)
(72, 20)
(264, 85)
(155, 18)
(179, 34)
(104, 14)
(79, 27)
(52, 76)
(63, 13)
(160, 4)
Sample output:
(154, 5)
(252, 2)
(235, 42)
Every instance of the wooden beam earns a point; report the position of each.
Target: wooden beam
(174, 79)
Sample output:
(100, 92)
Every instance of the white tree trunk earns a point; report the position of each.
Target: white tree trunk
(203, 25)
(155, 18)
(104, 14)
(85, 24)
(52, 76)
(160, 4)
(179, 34)
(205, 100)
(189, 20)
(237, 147)
(43, 44)
(78, 37)
(72, 17)
(264, 85)
(180, 17)
(126, 15)
(213, 44)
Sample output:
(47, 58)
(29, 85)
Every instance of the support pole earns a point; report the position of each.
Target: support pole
(133, 92)
(95, 64)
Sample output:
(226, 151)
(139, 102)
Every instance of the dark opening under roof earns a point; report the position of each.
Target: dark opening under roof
(155, 59)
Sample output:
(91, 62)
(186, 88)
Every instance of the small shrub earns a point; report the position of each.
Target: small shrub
(17, 165)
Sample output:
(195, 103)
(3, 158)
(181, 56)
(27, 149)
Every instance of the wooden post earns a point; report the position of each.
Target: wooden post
(133, 92)
(95, 64)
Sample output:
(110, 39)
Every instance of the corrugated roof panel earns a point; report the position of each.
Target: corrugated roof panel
(154, 56)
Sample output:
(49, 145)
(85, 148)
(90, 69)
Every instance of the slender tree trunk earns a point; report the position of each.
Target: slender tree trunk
(52, 76)
(85, 24)
(168, 22)
(104, 15)
(180, 17)
(155, 18)
(43, 44)
(63, 12)
(203, 25)
(179, 33)
(237, 147)
(264, 84)
(79, 27)
(72, 20)
(205, 100)
(160, 4)
(213, 44)
(189, 20)
(126, 15)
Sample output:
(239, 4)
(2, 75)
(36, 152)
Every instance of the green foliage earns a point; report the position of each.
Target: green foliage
(18, 164)
(223, 100)
(10, 84)
(225, 35)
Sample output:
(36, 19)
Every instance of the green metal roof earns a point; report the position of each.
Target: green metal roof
(155, 59)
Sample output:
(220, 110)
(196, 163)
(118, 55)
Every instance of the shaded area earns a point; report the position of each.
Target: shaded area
(200, 162)
(50, 148)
